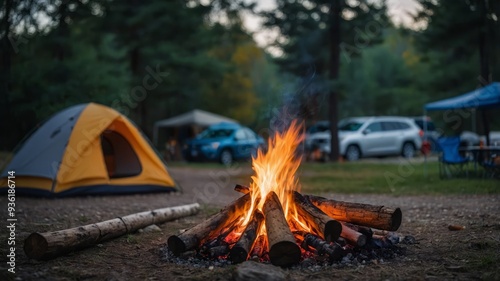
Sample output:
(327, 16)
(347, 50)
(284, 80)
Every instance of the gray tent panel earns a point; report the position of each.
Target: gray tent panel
(43, 151)
(195, 117)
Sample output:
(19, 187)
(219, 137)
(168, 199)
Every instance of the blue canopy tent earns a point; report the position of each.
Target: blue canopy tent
(482, 98)
(486, 97)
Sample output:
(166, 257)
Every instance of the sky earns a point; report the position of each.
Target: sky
(398, 11)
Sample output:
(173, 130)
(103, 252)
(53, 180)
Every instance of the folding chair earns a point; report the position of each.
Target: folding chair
(492, 166)
(451, 163)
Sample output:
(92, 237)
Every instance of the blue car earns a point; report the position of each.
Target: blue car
(223, 142)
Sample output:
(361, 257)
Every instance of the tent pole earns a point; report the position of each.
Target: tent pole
(474, 125)
(425, 140)
(155, 135)
(486, 127)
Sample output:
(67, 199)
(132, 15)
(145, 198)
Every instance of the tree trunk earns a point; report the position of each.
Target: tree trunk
(380, 217)
(484, 60)
(335, 20)
(283, 251)
(6, 50)
(194, 236)
(61, 47)
(48, 245)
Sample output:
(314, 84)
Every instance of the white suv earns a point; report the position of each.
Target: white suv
(374, 136)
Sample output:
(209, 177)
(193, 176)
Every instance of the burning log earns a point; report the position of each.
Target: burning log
(258, 247)
(353, 236)
(328, 227)
(241, 188)
(218, 246)
(239, 252)
(194, 236)
(48, 245)
(218, 251)
(380, 217)
(333, 250)
(283, 251)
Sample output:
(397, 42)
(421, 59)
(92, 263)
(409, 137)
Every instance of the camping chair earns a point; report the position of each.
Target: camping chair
(451, 163)
(492, 166)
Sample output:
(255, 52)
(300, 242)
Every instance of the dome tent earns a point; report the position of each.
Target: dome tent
(87, 149)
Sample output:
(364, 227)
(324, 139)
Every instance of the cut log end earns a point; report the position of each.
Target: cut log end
(284, 253)
(396, 219)
(332, 231)
(238, 254)
(35, 246)
(176, 245)
(361, 240)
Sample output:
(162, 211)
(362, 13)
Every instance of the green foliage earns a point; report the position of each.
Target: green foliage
(103, 51)
(305, 27)
(450, 44)
(149, 60)
(379, 81)
(46, 85)
(242, 58)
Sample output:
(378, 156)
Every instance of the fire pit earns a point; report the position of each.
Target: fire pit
(274, 222)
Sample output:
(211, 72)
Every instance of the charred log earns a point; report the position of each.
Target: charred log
(352, 236)
(378, 241)
(258, 247)
(240, 251)
(328, 227)
(218, 251)
(241, 188)
(333, 250)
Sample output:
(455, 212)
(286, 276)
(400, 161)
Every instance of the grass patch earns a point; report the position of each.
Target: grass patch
(405, 178)
(131, 239)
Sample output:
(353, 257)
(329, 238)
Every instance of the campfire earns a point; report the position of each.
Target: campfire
(274, 222)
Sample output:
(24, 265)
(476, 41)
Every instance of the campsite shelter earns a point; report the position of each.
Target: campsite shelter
(195, 120)
(484, 98)
(187, 125)
(87, 149)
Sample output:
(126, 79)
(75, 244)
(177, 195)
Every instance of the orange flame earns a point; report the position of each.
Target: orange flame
(275, 171)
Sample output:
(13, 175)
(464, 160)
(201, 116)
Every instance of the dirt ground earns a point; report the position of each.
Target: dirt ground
(472, 253)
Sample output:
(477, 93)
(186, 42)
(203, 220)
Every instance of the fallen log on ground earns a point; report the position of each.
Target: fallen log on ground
(49, 245)
(380, 217)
